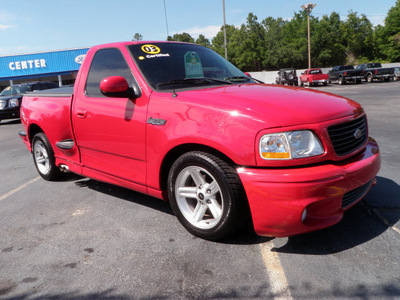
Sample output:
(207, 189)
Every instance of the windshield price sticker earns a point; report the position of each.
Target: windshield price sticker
(193, 67)
(150, 49)
(152, 52)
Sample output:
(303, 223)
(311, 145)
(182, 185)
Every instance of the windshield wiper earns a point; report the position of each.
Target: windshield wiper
(238, 79)
(197, 80)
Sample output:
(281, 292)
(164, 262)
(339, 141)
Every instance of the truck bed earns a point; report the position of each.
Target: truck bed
(57, 92)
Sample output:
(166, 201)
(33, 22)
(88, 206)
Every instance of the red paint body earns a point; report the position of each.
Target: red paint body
(114, 142)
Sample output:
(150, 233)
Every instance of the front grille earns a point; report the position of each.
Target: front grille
(348, 137)
(2, 104)
(353, 196)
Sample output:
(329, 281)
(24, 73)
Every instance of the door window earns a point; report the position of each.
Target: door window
(106, 63)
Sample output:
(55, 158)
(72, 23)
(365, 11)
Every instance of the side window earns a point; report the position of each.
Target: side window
(106, 63)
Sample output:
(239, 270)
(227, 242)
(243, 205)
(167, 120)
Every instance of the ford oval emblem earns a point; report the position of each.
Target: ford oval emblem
(79, 59)
(358, 134)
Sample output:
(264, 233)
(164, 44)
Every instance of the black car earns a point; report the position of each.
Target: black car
(11, 97)
(287, 76)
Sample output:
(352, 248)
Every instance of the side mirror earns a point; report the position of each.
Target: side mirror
(116, 86)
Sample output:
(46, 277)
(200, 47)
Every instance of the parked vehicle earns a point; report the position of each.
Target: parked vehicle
(178, 122)
(287, 76)
(396, 73)
(372, 71)
(313, 77)
(11, 97)
(344, 74)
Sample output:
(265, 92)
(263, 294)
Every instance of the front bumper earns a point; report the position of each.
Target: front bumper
(353, 77)
(278, 198)
(9, 113)
(383, 75)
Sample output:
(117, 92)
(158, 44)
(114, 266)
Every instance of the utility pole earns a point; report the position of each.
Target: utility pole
(308, 8)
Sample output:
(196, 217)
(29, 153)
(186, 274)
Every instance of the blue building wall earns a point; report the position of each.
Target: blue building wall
(38, 64)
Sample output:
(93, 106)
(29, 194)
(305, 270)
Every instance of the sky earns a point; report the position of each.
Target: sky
(30, 26)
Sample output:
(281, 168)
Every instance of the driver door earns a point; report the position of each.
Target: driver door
(110, 132)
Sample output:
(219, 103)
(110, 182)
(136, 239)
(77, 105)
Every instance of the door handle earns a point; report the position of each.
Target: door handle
(81, 114)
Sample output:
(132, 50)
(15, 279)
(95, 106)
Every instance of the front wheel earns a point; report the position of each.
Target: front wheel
(43, 157)
(207, 196)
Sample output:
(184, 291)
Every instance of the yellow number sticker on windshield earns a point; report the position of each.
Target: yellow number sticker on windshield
(150, 49)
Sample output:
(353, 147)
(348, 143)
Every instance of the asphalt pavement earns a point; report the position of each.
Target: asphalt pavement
(83, 239)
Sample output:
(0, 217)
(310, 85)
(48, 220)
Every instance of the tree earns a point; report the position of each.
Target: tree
(202, 40)
(327, 42)
(137, 37)
(181, 37)
(358, 38)
(272, 42)
(389, 36)
(218, 40)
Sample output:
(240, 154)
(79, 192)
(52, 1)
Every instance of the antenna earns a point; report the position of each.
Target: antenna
(166, 19)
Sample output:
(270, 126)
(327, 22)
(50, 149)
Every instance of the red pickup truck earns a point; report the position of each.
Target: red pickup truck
(313, 77)
(178, 122)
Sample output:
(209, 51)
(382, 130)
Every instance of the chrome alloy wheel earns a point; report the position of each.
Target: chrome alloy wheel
(199, 197)
(41, 157)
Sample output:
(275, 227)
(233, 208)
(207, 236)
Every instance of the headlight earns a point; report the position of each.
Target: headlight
(289, 145)
(13, 102)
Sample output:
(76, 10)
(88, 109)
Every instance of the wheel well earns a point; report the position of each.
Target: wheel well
(176, 152)
(33, 129)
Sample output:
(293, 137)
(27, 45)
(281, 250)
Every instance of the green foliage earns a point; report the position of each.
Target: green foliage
(181, 37)
(137, 37)
(202, 40)
(272, 44)
(389, 35)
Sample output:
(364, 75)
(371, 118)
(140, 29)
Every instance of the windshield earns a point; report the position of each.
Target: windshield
(15, 90)
(175, 65)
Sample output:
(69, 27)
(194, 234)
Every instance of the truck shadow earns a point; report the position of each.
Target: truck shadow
(375, 214)
(125, 194)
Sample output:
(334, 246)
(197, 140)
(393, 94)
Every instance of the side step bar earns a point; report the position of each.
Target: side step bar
(66, 144)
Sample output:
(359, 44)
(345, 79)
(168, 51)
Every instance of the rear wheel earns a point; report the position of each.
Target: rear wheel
(207, 196)
(370, 78)
(43, 157)
(341, 81)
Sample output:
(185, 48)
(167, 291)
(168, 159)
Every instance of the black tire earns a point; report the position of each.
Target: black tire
(370, 78)
(341, 80)
(358, 81)
(207, 196)
(325, 83)
(43, 157)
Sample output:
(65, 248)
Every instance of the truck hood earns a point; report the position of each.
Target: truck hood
(274, 105)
